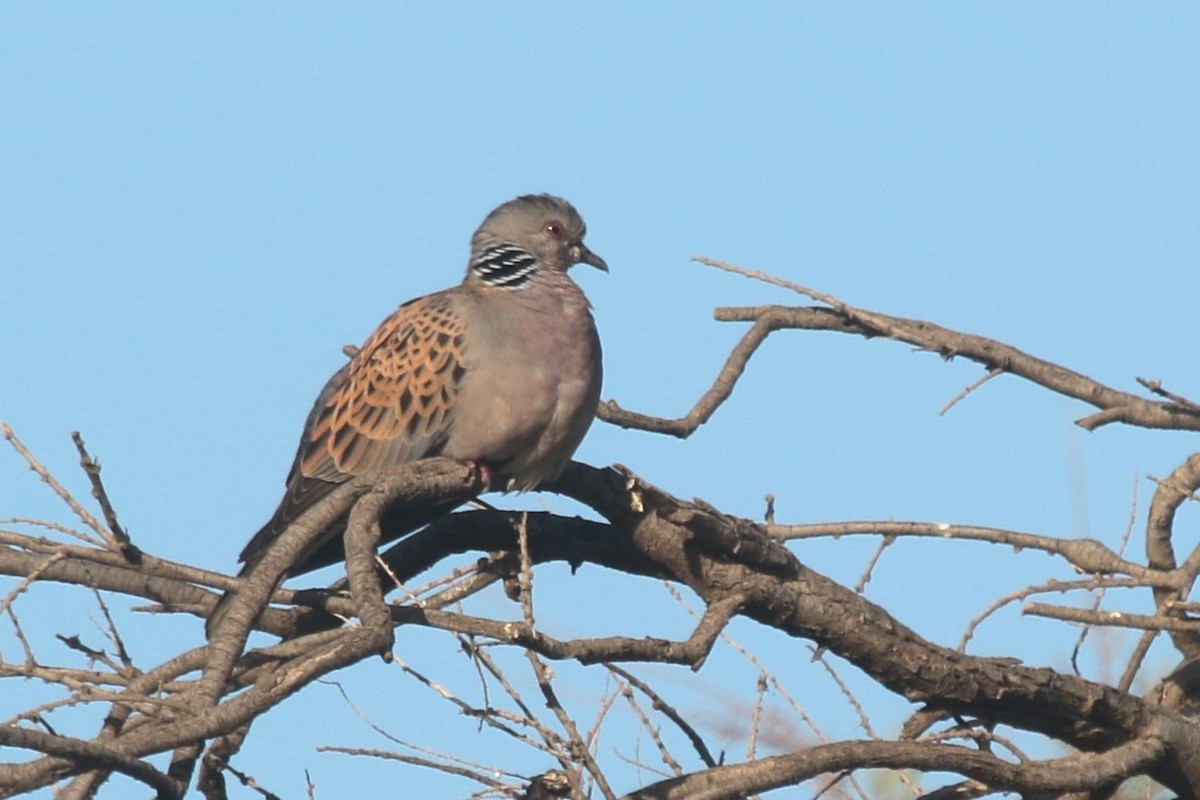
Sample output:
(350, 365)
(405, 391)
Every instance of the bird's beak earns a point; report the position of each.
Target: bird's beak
(584, 256)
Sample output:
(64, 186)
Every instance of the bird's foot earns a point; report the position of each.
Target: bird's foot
(482, 471)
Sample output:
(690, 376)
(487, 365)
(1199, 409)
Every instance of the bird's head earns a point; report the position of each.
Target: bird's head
(548, 227)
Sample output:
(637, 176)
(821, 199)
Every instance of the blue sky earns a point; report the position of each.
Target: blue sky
(201, 204)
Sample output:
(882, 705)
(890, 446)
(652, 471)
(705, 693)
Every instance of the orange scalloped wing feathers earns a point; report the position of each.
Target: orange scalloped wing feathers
(396, 400)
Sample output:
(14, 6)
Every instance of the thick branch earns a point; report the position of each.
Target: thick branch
(1084, 772)
(806, 604)
(80, 754)
(735, 568)
(1182, 484)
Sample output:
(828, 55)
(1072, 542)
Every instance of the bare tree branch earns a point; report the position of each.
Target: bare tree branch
(1077, 773)
(1114, 405)
(211, 696)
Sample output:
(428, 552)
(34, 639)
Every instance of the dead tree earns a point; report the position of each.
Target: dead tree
(201, 705)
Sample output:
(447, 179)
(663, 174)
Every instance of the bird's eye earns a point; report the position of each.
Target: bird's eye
(554, 229)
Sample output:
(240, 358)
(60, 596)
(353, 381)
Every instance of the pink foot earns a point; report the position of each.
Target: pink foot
(482, 470)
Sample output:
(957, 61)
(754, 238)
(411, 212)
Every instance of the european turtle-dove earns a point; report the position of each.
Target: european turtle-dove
(502, 370)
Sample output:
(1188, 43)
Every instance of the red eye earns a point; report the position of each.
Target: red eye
(554, 229)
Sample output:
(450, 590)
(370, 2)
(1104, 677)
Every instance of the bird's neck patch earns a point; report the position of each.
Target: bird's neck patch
(505, 266)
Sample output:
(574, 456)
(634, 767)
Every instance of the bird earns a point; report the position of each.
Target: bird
(502, 371)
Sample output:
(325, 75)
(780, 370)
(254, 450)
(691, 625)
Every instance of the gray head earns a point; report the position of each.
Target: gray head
(543, 226)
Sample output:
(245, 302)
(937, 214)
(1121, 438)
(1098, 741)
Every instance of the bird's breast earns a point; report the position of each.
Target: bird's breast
(531, 383)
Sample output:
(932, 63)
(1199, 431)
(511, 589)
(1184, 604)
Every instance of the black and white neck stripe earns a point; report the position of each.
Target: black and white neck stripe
(505, 266)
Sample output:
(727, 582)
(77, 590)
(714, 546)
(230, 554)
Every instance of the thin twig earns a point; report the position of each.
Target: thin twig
(579, 751)
(58, 489)
(644, 720)
(669, 711)
(1052, 585)
(1157, 388)
(91, 467)
(1099, 594)
(865, 578)
(1119, 619)
(991, 373)
(1135, 660)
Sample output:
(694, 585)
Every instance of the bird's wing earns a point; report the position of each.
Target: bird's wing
(397, 398)
(391, 404)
